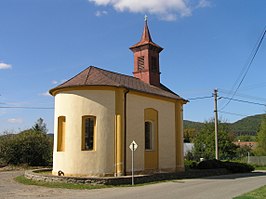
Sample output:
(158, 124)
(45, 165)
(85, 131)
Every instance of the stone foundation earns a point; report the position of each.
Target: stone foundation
(138, 179)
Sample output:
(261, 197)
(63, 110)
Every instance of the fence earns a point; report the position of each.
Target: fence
(257, 160)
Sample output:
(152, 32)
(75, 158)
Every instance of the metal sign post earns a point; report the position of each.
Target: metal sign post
(133, 163)
(133, 146)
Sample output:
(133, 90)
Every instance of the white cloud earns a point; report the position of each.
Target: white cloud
(100, 13)
(46, 94)
(166, 9)
(204, 4)
(15, 120)
(5, 66)
(54, 82)
(2, 112)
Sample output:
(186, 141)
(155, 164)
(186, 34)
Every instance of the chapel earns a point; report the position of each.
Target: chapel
(98, 113)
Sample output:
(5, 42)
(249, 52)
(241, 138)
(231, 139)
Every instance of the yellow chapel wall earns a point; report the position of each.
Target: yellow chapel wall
(73, 105)
(136, 104)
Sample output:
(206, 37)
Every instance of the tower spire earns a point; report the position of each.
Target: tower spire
(146, 58)
(146, 36)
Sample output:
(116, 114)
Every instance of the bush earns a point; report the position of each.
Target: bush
(234, 167)
(210, 164)
(28, 147)
(190, 164)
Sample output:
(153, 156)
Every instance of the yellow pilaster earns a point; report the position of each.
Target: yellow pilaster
(119, 133)
(179, 137)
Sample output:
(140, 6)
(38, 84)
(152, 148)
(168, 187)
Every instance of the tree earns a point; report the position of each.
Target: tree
(6, 141)
(204, 142)
(189, 135)
(243, 151)
(246, 138)
(40, 126)
(28, 147)
(261, 139)
(33, 147)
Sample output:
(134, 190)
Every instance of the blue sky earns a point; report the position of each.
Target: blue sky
(206, 45)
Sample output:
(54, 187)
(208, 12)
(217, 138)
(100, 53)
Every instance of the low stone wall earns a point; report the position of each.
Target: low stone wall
(38, 176)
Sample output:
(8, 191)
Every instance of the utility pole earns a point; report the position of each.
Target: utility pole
(215, 94)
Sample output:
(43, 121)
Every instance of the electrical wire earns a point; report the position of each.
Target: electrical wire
(200, 98)
(230, 113)
(244, 101)
(254, 86)
(244, 96)
(255, 51)
(25, 107)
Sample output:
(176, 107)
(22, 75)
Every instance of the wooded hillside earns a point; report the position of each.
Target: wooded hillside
(250, 124)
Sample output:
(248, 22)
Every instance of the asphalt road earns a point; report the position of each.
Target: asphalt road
(222, 187)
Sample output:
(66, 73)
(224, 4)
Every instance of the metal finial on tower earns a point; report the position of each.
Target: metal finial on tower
(145, 18)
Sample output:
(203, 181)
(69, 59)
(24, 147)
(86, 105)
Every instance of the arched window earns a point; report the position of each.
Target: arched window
(148, 135)
(88, 132)
(61, 133)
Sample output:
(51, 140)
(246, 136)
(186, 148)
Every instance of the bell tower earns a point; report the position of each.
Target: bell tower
(146, 58)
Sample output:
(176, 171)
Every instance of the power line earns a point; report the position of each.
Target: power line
(244, 101)
(230, 113)
(25, 107)
(254, 86)
(247, 67)
(200, 98)
(244, 95)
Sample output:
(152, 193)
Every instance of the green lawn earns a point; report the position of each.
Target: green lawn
(260, 167)
(23, 180)
(259, 193)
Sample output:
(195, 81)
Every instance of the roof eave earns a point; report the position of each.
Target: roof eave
(56, 90)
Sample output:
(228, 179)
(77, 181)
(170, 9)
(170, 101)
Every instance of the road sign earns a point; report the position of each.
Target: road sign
(133, 146)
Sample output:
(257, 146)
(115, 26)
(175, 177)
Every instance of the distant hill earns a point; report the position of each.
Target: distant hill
(193, 125)
(50, 135)
(249, 125)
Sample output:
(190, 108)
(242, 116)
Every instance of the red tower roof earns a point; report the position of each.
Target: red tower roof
(146, 39)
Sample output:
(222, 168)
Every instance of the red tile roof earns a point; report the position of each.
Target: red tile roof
(249, 144)
(93, 76)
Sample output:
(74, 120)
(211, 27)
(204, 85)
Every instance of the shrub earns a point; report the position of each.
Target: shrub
(210, 164)
(234, 167)
(28, 147)
(190, 164)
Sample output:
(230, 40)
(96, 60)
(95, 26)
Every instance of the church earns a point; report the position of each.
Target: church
(98, 113)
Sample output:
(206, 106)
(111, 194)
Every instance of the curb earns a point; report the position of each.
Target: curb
(138, 179)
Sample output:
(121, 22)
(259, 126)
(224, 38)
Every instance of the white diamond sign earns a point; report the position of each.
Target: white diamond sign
(133, 146)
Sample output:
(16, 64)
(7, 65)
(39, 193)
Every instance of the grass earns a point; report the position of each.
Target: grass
(260, 167)
(259, 193)
(23, 180)
(46, 172)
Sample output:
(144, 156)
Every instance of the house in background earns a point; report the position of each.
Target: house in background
(188, 147)
(251, 145)
(98, 113)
